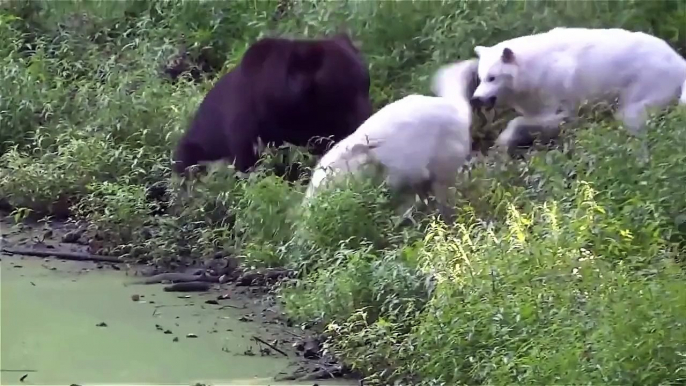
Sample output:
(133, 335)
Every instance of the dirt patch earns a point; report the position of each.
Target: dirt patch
(229, 292)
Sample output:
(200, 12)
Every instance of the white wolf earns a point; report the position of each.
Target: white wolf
(420, 141)
(546, 76)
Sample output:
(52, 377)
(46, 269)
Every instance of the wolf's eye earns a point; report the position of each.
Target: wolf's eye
(490, 79)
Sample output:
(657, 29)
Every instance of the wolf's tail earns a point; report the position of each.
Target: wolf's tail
(456, 82)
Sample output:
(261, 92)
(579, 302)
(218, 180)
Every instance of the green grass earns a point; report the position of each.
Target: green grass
(564, 267)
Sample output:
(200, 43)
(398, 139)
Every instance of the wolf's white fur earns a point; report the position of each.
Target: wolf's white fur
(418, 139)
(550, 74)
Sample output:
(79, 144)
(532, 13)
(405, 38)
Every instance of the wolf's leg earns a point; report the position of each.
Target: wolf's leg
(548, 124)
(404, 209)
(637, 100)
(634, 117)
(634, 110)
(408, 199)
(442, 191)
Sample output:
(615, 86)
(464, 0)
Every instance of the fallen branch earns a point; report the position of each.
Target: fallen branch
(190, 286)
(323, 372)
(316, 375)
(287, 377)
(230, 306)
(154, 312)
(293, 334)
(176, 277)
(172, 305)
(262, 276)
(269, 345)
(64, 255)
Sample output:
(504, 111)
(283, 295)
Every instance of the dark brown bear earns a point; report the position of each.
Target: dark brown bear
(283, 90)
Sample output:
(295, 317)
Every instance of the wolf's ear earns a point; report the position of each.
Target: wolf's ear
(478, 50)
(508, 56)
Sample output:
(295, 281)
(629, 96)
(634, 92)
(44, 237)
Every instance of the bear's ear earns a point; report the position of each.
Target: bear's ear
(344, 36)
(478, 50)
(508, 56)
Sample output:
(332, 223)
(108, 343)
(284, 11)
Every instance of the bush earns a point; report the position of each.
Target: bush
(564, 267)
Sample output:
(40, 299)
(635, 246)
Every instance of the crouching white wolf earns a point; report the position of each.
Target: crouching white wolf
(419, 141)
(545, 77)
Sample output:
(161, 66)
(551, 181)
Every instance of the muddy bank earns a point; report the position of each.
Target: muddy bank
(67, 322)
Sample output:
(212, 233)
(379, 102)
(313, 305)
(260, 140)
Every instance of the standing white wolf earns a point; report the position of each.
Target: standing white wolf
(420, 141)
(546, 76)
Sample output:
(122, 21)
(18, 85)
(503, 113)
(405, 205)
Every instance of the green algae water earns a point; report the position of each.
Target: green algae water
(61, 324)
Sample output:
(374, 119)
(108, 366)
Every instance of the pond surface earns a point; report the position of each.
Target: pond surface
(50, 311)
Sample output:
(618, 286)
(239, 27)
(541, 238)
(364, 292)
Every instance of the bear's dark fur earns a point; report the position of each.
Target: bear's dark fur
(283, 90)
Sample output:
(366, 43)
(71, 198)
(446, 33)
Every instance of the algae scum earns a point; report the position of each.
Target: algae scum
(68, 322)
